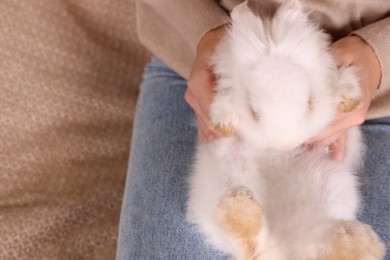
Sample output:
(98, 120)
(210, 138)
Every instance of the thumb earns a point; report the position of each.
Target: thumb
(337, 148)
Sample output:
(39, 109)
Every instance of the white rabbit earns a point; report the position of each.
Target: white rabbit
(259, 193)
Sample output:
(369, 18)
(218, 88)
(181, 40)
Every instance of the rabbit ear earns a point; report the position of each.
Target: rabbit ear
(268, 8)
(264, 8)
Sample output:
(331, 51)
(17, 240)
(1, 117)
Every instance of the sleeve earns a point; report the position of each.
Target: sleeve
(377, 35)
(171, 29)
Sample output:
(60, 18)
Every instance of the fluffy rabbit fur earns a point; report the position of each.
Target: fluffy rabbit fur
(259, 193)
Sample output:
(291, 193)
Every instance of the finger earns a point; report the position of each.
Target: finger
(337, 149)
(201, 118)
(204, 133)
(201, 135)
(200, 102)
(199, 109)
(325, 142)
(339, 125)
(200, 88)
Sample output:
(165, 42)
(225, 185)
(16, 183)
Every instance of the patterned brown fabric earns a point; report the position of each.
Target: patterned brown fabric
(69, 74)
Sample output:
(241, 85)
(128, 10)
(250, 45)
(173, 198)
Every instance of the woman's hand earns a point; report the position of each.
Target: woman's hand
(200, 85)
(348, 51)
(351, 51)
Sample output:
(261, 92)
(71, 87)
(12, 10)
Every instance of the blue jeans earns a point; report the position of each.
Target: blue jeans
(153, 224)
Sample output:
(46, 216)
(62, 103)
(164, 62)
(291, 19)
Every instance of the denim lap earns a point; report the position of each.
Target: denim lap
(153, 224)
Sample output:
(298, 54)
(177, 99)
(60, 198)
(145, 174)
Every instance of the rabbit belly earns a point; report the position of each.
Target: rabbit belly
(299, 191)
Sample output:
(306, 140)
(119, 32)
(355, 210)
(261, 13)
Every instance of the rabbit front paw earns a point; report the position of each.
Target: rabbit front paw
(223, 117)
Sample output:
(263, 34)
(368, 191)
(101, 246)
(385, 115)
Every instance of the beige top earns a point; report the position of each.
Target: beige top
(171, 29)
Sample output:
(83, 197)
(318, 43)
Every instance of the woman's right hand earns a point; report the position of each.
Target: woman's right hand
(200, 85)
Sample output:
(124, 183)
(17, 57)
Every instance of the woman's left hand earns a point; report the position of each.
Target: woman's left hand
(351, 51)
